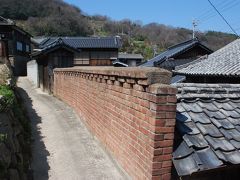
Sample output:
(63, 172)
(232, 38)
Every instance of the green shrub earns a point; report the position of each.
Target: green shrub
(8, 94)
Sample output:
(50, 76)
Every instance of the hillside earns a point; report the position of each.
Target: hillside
(57, 18)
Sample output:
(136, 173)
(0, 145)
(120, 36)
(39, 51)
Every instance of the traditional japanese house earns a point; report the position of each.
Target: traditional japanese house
(179, 54)
(55, 55)
(17, 45)
(92, 51)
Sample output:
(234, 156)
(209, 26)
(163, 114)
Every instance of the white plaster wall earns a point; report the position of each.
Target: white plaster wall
(32, 72)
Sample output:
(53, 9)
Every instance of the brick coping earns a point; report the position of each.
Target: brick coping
(147, 75)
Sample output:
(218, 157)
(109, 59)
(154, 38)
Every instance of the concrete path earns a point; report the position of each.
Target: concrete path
(63, 149)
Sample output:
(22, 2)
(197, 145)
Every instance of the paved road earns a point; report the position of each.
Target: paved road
(63, 149)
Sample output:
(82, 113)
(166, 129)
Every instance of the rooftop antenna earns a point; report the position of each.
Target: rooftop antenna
(194, 23)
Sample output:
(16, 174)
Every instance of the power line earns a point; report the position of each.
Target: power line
(210, 12)
(226, 8)
(223, 18)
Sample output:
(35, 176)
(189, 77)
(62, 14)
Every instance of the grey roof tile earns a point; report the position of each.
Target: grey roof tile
(194, 107)
(223, 123)
(236, 144)
(225, 62)
(180, 108)
(237, 100)
(217, 115)
(196, 141)
(209, 122)
(237, 127)
(231, 134)
(233, 113)
(234, 121)
(183, 151)
(220, 143)
(209, 106)
(188, 128)
(209, 129)
(200, 117)
(186, 166)
(209, 158)
(84, 42)
(231, 157)
(237, 110)
(226, 106)
(177, 79)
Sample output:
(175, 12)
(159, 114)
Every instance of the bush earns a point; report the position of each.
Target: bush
(8, 95)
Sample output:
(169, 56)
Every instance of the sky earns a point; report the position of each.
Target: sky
(176, 13)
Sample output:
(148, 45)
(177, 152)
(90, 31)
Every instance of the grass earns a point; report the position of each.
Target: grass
(8, 94)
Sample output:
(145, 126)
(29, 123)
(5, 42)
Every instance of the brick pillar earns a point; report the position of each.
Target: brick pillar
(163, 113)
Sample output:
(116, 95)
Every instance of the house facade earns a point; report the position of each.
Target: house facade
(18, 45)
(44, 61)
(91, 51)
(128, 60)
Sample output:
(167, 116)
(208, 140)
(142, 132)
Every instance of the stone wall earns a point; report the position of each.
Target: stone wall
(5, 74)
(130, 110)
(12, 145)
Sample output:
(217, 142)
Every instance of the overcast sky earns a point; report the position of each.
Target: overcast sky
(177, 13)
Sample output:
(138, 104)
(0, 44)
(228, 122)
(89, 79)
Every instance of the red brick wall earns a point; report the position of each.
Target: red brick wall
(132, 117)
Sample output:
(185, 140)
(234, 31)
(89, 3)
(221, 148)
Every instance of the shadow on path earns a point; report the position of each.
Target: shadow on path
(39, 164)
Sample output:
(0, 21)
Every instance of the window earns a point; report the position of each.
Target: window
(27, 48)
(81, 58)
(19, 46)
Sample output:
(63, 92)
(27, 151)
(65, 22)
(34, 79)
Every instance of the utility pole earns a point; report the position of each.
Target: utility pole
(194, 23)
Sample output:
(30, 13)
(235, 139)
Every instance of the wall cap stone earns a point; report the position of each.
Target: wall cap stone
(162, 89)
(148, 75)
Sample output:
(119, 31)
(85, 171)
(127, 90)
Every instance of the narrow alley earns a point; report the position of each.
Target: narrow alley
(62, 147)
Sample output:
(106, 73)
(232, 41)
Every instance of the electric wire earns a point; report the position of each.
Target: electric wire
(211, 12)
(223, 18)
(207, 18)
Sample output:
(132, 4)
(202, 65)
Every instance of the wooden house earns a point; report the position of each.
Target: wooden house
(92, 51)
(179, 54)
(128, 60)
(55, 55)
(17, 42)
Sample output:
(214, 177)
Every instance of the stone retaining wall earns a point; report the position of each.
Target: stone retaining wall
(12, 143)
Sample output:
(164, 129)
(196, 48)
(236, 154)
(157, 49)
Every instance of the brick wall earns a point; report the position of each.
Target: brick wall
(130, 110)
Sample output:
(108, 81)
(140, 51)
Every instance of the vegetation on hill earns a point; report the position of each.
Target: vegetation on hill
(57, 18)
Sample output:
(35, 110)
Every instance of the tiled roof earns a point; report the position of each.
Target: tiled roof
(224, 62)
(171, 64)
(173, 51)
(58, 43)
(9, 22)
(84, 42)
(208, 119)
(129, 56)
(178, 79)
(4, 21)
(117, 62)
